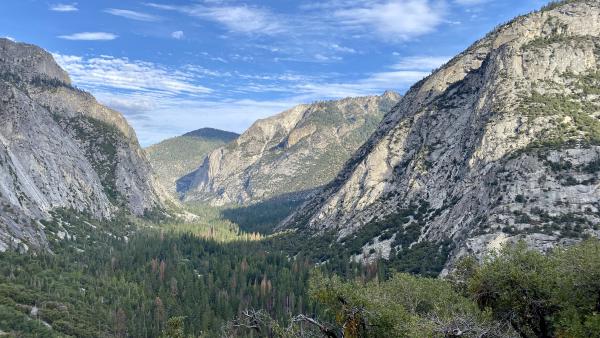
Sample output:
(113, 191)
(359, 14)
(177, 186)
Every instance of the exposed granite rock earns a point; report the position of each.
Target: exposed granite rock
(293, 152)
(29, 62)
(178, 156)
(59, 148)
(501, 143)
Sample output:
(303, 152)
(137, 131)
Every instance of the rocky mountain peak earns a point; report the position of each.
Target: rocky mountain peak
(474, 153)
(288, 154)
(61, 149)
(176, 157)
(30, 62)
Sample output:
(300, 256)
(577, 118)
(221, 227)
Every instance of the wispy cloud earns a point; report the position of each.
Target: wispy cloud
(337, 48)
(132, 15)
(64, 7)
(401, 75)
(392, 20)
(420, 62)
(121, 73)
(374, 83)
(177, 35)
(163, 101)
(155, 119)
(90, 36)
(238, 19)
(324, 32)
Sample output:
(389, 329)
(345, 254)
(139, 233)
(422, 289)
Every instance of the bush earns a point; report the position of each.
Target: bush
(403, 306)
(540, 295)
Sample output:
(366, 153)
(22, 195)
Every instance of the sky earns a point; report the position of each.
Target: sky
(172, 66)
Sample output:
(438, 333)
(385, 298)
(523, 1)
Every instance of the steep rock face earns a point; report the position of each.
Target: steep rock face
(59, 148)
(288, 154)
(181, 155)
(502, 143)
(29, 63)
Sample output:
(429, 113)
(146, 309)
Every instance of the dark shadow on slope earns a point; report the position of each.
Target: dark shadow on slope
(263, 217)
(182, 185)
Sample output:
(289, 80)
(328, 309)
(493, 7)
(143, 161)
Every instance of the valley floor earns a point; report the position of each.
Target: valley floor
(207, 278)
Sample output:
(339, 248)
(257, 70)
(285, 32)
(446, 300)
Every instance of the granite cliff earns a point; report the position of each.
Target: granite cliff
(60, 148)
(178, 156)
(287, 155)
(500, 144)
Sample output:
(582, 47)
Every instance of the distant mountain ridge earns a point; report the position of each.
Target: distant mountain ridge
(59, 148)
(289, 154)
(500, 144)
(181, 155)
(212, 133)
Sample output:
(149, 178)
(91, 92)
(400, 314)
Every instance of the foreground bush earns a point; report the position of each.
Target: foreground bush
(553, 295)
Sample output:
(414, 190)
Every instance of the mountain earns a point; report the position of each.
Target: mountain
(287, 155)
(501, 143)
(61, 149)
(179, 156)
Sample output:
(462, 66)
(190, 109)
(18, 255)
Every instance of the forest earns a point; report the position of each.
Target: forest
(152, 281)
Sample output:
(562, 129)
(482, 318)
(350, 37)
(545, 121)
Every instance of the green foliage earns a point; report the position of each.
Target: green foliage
(262, 217)
(572, 119)
(555, 4)
(543, 41)
(16, 323)
(101, 142)
(150, 279)
(40, 82)
(424, 258)
(175, 328)
(588, 83)
(403, 306)
(111, 279)
(407, 255)
(406, 224)
(47, 83)
(540, 295)
(210, 225)
(514, 285)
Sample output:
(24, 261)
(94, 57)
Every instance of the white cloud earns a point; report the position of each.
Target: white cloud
(400, 76)
(238, 19)
(326, 58)
(177, 35)
(342, 49)
(133, 15)
(90, 36)
(120, 73)
(154, 118)
(10, 38)
(375, 83)
(395, 19)
(161, 101)
(64, 7)
(421, 62)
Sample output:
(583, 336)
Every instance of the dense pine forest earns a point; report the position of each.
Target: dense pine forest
(127, 278)
(101, 282)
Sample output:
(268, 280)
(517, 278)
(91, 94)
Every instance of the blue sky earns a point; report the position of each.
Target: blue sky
(172, 66)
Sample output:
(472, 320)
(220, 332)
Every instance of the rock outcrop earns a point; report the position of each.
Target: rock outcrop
(289, 154)
(502, 143)
(176, 157)
(59, 148)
